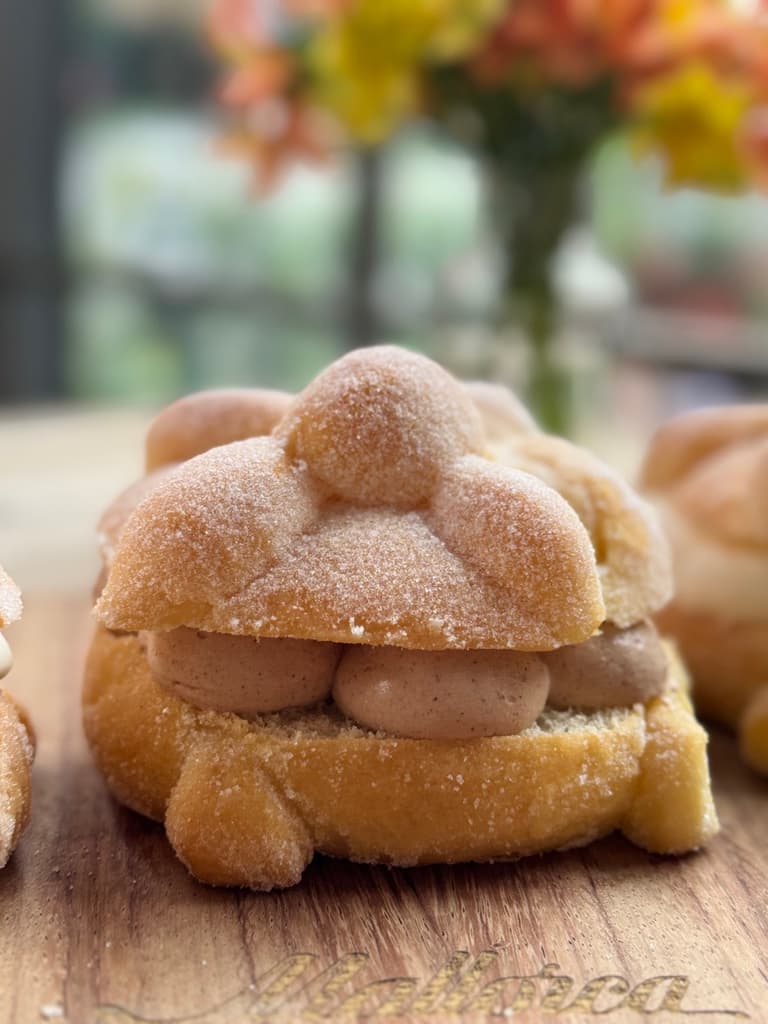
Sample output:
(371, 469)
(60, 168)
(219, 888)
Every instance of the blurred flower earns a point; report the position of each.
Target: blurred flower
(277, 135)
(236, 27)
(273, 125)
(260, 77)
(575, 42)
(533, 85)
(688, 77)
(565, 41)
(695, 121)
(368, 61)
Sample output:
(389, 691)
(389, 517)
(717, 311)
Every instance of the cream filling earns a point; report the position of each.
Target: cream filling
(242, 674)
(617, 667)
(421, 694)
(441, 695)
(709, 577)
(6, 658)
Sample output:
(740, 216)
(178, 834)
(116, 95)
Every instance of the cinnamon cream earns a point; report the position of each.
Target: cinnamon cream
(616, 668)
(242, 674)
(6, 658)
(440, 695)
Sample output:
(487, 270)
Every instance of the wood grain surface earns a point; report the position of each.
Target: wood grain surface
(100, 923)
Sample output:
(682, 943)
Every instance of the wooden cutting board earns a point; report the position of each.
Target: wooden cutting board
(100, 923)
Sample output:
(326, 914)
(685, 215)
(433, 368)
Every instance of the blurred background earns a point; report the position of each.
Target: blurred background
(137, 264)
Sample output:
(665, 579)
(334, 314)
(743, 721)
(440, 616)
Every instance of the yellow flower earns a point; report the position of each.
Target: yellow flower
(462, 25)
(679, 12)
(694, 119)
(367, 62)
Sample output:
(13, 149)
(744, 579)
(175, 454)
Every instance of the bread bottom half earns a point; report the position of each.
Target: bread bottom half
(248, 803)
(16, 753)
(728, 661)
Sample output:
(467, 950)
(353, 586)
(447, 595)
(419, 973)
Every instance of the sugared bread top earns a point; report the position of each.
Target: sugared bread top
(389, 565)
(708, 472)
(16, 737)
(378, 510)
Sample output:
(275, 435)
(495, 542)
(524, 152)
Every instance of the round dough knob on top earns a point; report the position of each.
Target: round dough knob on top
(380, 427)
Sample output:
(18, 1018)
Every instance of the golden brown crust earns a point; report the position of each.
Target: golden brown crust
(206, 419)
(114, 518)
(632, 555)
(10, 600)
(249, 803)
(673, 799)
(365, 518)
(16, 753)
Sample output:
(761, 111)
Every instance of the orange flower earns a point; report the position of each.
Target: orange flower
(262, 76)
(729, 42)
(273, 124)
(690, 77)
(233, 24)
(571, 42)
(574, 42)
(283, 134)
(237, 27)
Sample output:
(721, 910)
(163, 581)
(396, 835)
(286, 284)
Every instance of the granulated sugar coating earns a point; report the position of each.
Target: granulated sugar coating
(383, 528)
(10, 600)
(115, 517)
(16, 752)
(380, 426)
(631, 551)
(501, 411)
(207, 530)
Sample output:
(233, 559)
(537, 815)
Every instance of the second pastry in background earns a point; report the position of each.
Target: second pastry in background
(708, 472)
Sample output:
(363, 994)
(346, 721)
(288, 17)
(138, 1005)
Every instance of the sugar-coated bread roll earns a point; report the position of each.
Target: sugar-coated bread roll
(708, 472)
(395, 623)
(209, 418)
(16, 738)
